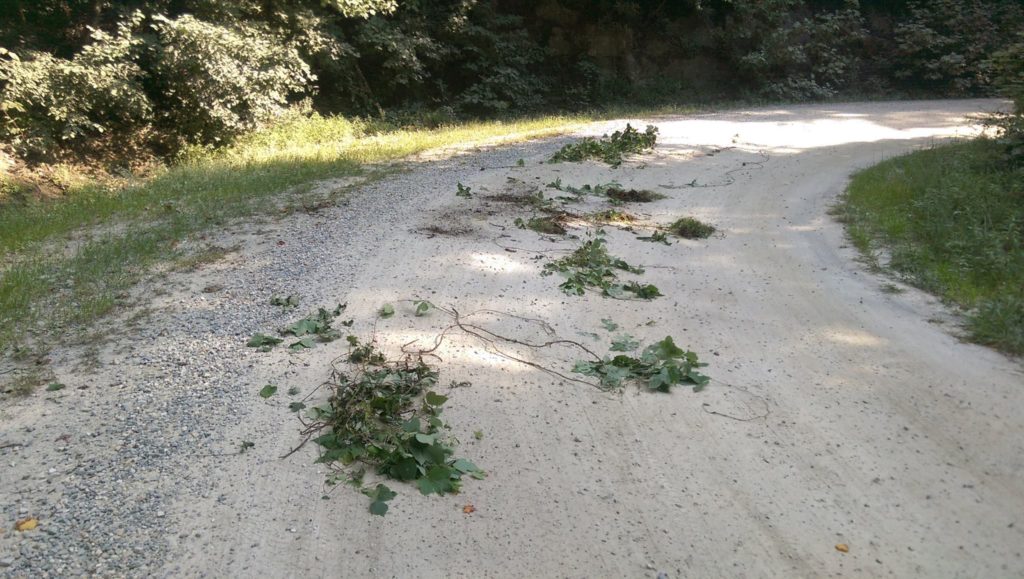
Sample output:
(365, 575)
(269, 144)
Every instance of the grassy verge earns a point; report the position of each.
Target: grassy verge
(951, 220)
(65, 262)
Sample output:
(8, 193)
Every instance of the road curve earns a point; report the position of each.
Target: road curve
(839, 413)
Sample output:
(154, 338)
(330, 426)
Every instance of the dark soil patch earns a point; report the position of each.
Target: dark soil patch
(690, 228)
(633, 195)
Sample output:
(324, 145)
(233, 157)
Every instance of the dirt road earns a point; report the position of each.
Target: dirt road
(839, 412)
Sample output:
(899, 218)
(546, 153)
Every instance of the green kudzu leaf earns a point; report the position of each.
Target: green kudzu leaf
(303, 327)
(291, 301)
(260, 340)
(411, 425)
(303, 344)
(435, 399)
(425, 438)
(426, 486)
(386, 311)
(422, 307)
(407, 469)
(466, 467)
(53, 387)
(665, 349)
(613, 376)
(296, 406)
(268, 391)
(624, 343)
(609, 324)
(381, 492)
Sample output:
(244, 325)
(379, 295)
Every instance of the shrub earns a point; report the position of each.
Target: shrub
(945, 45)
(211, 82)
(49, 104)
(782, 52)
(497, 64)
(1008, 70)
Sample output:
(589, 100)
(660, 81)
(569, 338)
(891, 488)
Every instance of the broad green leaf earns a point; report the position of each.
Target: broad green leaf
(609, 324)
(411, 425)
(614, 376)
(665, 349)
(303, 327)
(422, 307)
(407, 469)
(260, 340)
(386, 311)
(466, 467)
(586, 368)
(296, 406)
(268, 391)
(435, 399)
(379, 508)
(624, 343)
(54, 386)
(426, 486)
(303, 344)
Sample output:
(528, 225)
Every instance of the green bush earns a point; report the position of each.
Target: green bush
(1008, 70)
(944, 45)
(497, 64)
(96, 99)
(212, 82)
(811, 57)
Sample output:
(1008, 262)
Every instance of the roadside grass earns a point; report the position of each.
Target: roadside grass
(951, 221)
(65, 262)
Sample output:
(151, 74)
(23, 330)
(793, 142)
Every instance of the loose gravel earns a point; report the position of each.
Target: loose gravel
(99, 462)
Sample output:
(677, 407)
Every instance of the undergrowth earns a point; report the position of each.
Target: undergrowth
(691, 228)
(951, 220)
(611, 149)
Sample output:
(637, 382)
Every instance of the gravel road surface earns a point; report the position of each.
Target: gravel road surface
(840, 413)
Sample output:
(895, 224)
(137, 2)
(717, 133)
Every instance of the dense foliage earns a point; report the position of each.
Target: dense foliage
(86, 76)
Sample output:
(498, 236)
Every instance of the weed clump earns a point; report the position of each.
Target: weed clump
(609, 149)
(613, 216)
(314, 328)
(620, 195)
(690, 228)
(550, 225)
(591, 266)
(661, 366)
(386, 415)
(613, 191)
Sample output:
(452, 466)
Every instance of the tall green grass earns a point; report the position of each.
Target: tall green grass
(65, 262)
(951, 220)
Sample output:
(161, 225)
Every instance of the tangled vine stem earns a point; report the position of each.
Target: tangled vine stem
(492, 339)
